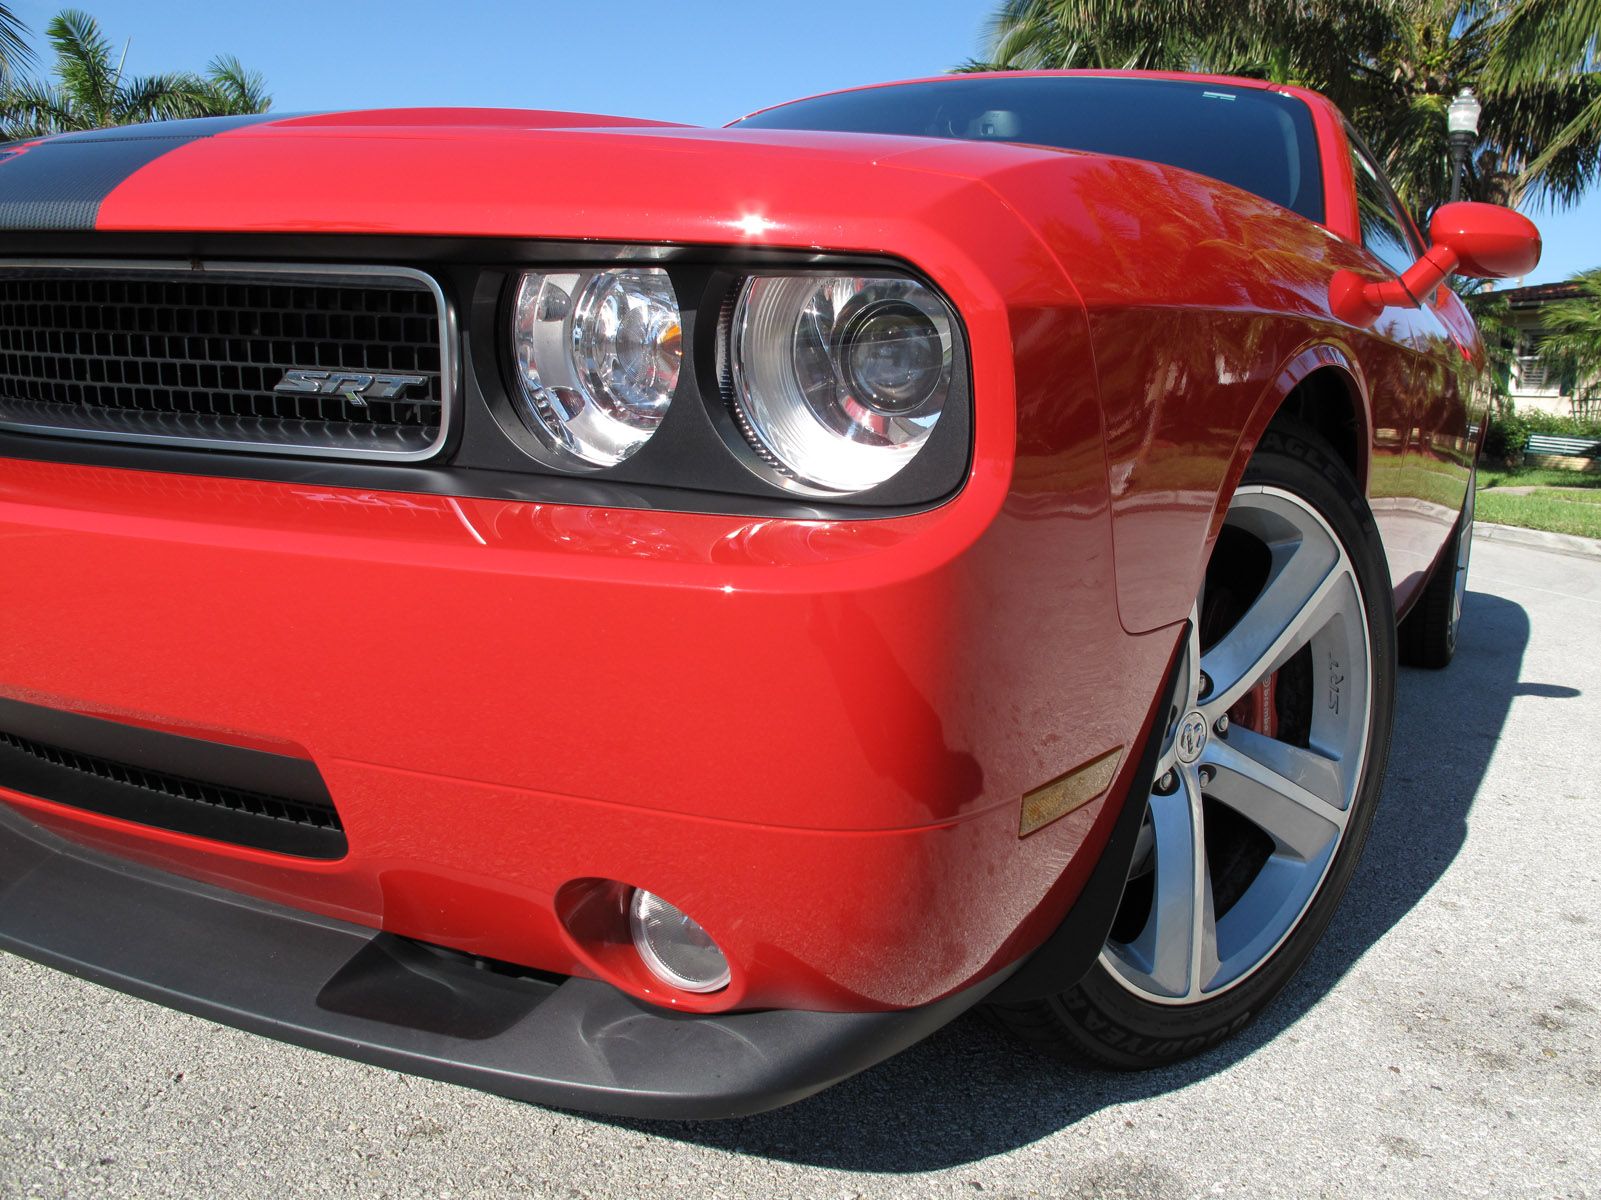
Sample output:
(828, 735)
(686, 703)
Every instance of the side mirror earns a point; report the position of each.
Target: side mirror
(1490, 242)
(1481, 241)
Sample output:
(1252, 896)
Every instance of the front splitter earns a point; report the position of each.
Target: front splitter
(347, 990)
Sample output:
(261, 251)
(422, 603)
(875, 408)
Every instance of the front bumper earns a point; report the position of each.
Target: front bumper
(814, 736)
(317, 982)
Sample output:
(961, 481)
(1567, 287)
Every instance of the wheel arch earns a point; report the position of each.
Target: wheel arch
(1321, 387)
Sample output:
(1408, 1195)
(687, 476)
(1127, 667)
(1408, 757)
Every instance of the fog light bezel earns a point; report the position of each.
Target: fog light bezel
(593, 916)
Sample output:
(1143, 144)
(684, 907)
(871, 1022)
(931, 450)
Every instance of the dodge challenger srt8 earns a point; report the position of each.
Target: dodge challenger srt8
(655, 620)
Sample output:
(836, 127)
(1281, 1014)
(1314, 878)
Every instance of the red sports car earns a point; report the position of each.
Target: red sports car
(655, 620)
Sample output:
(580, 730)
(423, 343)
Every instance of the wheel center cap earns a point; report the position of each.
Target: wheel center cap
(1191, 738)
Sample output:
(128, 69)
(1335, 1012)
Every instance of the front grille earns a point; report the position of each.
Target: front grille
(353, 362)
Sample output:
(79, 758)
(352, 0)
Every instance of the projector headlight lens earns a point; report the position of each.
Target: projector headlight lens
(675, 948)
(598, 355)
(838, 381)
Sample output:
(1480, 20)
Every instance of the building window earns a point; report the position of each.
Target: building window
(1532, 372)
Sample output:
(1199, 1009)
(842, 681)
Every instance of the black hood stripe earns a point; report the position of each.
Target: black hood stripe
(60, 183)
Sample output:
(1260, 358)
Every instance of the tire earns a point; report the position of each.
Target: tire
(1428, 636)
(1211, 927)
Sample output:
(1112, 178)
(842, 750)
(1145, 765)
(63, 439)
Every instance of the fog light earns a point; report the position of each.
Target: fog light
(674, 946)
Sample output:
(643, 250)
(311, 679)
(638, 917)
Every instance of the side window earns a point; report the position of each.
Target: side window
(1384, 230)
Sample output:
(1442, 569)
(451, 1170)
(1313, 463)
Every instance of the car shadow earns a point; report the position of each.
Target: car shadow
(970, 1091)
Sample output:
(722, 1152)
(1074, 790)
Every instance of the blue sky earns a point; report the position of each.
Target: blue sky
(692, 60)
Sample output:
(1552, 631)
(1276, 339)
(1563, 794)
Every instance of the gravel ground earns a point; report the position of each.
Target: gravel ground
(1442, 1040)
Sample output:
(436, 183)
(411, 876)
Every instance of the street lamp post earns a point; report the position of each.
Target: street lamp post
(1462, 120)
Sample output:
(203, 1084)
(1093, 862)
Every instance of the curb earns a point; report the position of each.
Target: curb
(1538, 539)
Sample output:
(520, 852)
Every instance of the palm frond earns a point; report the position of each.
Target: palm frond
(90, 89)
(232, 88)
(1411, 141)
(14, 49)
(1543, 40)
(1573, 328)
(1570, 162)
(161, 98)
(29, 109)
(1017, 29)
(84, 62)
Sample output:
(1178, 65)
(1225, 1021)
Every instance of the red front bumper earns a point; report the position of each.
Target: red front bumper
(812, 736)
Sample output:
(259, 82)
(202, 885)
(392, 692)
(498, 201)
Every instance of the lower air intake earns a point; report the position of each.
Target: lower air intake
(169, 782)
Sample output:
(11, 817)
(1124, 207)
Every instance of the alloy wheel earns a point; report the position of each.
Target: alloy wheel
(1259, 772)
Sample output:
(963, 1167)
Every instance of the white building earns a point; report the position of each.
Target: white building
(1533, 381)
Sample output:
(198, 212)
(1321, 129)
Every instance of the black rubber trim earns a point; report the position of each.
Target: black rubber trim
(421, 479)
(350, 991)
(59, 183)
(188, 785)
(1067, 955)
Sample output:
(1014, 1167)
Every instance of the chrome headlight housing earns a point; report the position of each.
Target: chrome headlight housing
(838, 381)
(597, 358)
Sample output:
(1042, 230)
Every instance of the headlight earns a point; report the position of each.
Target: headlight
(598, 355)
(838, 381)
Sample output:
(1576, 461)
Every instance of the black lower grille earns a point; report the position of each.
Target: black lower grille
(339, 363)
(253, 804)
(304, 823)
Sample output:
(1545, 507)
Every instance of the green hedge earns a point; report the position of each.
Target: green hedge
(1509, 431)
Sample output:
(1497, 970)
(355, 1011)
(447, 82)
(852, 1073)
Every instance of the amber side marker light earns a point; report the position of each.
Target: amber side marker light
(1068, 792)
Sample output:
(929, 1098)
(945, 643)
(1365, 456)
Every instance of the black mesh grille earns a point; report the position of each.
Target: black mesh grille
(269, 822)
(192, 355)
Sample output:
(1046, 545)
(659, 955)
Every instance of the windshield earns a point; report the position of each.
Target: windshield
(1257, 140)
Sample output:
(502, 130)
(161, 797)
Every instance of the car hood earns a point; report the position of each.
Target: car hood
(490, 173)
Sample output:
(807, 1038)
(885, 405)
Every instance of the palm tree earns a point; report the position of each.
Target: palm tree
(1393, 65)
(91, 91)
(1573, 334)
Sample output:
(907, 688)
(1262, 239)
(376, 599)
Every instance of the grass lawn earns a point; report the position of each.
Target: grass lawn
(1562, 501)
(1533, 477)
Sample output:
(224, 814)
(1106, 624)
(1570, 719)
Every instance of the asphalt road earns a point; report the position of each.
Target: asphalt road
(1444, 1040)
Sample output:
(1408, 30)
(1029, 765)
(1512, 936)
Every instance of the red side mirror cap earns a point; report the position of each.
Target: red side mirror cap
(1481, 241)
(1490, 242)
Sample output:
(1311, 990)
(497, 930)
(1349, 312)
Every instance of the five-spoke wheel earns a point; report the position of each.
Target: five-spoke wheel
(1266, 777)
(1250, 801)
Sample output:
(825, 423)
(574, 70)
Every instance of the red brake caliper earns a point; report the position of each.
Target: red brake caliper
(1257, 708)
